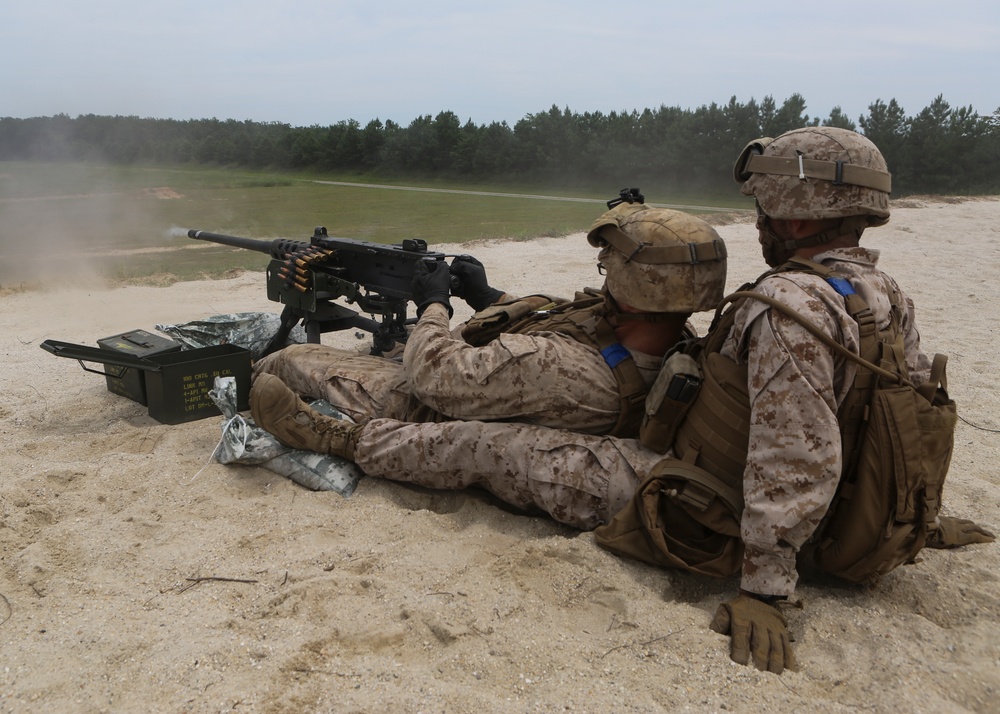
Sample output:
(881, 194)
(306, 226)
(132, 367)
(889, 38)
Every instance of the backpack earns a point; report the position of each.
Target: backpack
(897, 441)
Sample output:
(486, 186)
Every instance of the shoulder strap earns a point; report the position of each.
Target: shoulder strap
(632, 387)
(525, 323)
(822, 336)
(855, 304)
(938, 377)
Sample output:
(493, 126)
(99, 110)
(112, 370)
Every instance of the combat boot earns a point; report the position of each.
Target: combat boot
(278, 410)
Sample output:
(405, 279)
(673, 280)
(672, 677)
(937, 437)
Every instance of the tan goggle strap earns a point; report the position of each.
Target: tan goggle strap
(634, 251)
(836, 172)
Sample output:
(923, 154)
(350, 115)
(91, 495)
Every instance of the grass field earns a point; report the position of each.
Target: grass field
(126, 224)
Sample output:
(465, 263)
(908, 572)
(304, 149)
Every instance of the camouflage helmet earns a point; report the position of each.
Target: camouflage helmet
(658, 260)
(816, 173)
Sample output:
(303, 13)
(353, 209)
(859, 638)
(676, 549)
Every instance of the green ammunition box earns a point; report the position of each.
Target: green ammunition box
(128, 381)
(176, 384)
(178, 390)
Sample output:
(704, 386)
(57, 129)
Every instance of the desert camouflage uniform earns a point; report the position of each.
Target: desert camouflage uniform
(541, 378)
(796, 385)
(578, 479)
(794, 460)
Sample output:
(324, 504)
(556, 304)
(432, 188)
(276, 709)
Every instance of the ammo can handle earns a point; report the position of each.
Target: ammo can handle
(95, 354)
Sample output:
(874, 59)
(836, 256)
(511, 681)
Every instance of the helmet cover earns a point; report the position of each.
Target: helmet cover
(816, 173)
(660, 260)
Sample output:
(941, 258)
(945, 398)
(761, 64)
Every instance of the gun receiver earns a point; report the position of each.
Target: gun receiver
(307, 277)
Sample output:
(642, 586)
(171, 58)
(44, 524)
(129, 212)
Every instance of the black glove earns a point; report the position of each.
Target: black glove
(431, 283)
(757, 629)
(956, 532)
(471, 284)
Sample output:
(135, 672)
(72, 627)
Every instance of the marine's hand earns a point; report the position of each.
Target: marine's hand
(758, 630)
(472, 285)
(431, 283)
(956, 532)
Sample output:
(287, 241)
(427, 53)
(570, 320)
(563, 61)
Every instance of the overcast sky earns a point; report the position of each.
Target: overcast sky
(306, 62)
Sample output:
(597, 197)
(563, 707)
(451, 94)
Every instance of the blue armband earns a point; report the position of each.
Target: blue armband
(614, 354)
(841, 285)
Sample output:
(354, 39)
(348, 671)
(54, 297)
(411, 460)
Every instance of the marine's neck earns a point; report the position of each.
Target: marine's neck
(651, 338)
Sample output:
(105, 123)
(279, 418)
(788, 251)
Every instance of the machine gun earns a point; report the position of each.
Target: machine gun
(307, 277)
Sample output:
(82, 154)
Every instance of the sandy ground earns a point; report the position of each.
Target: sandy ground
(403, 600)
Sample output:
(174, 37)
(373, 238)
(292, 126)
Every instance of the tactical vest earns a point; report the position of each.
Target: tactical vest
(896, 444)
(583, 320)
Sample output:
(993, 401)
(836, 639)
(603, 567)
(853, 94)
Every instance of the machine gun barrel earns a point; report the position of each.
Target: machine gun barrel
(279, 248)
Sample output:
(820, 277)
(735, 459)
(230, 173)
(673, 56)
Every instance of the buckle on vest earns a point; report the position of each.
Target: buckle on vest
(696, 496)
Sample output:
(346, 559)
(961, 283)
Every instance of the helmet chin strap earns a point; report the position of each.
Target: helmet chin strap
(778, 250)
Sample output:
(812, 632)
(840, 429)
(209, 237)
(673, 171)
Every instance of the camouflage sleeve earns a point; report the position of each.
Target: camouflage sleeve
(794, 456)
(877, 293)
(916, 360)
(543, 378)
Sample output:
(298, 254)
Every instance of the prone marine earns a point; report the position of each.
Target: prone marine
(584, 365)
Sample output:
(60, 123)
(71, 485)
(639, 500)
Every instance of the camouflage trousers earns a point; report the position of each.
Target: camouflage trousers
(578, 479)
(552, 382)
(360, 386)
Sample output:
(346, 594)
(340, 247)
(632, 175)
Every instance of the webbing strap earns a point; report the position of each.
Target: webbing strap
(574, 308)
(856, 307)
(928, 388)
(837, 172)
(817, 332)
(689, 253)
(630, 382)
(614, 354)
(632, 388)
(701, 486)
(842, 286)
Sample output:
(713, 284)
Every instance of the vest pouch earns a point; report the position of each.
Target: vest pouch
(668, 400)
(680, 517)
(484, 327)
(716, 431)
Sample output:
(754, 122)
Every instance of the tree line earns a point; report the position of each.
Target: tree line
(940, 150)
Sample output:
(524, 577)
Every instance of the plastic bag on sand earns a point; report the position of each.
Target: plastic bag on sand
(250, 330)
(243, 442)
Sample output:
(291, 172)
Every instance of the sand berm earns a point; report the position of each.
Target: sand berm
(137, 576)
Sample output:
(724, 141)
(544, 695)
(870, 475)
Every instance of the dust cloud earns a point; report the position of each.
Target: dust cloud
(72, 226)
